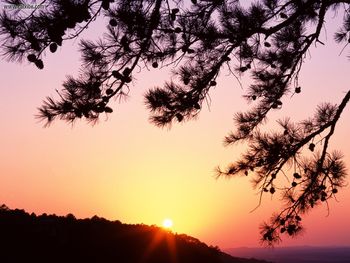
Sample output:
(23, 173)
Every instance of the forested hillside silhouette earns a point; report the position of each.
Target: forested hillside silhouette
(50, 238)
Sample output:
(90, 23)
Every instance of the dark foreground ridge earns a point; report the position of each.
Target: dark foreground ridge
(49, 238)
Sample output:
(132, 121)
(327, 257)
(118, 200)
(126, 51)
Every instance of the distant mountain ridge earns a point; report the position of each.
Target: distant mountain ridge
(298, 254)
(26, 237)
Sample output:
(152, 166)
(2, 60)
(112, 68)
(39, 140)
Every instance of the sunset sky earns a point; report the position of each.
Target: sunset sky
(125, 168)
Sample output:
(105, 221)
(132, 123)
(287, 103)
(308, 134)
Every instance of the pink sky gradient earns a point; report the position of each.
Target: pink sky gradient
(125, 168)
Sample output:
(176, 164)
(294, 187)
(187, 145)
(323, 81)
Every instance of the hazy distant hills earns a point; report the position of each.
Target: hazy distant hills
(303, 254)
(49, 238)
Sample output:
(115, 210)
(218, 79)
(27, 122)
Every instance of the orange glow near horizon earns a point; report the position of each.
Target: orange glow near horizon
(156, 241)
(126, 169)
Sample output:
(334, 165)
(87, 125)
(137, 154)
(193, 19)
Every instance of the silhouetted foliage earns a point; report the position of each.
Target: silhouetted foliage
(51, 238)
(269, 39)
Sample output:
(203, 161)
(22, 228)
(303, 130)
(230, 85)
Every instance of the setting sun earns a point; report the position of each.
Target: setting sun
(167, 223)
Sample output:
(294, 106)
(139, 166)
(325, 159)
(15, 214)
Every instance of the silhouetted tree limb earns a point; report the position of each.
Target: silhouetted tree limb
(315, 179)
(269, 39)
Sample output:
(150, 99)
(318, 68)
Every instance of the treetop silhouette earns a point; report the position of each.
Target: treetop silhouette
(30, 238)
(269, 40)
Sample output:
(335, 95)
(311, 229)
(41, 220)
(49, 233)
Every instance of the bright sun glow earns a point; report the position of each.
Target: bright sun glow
(167, 223)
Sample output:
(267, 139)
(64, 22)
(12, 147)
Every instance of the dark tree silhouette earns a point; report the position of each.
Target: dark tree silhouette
(198, 39)
(50, 238)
